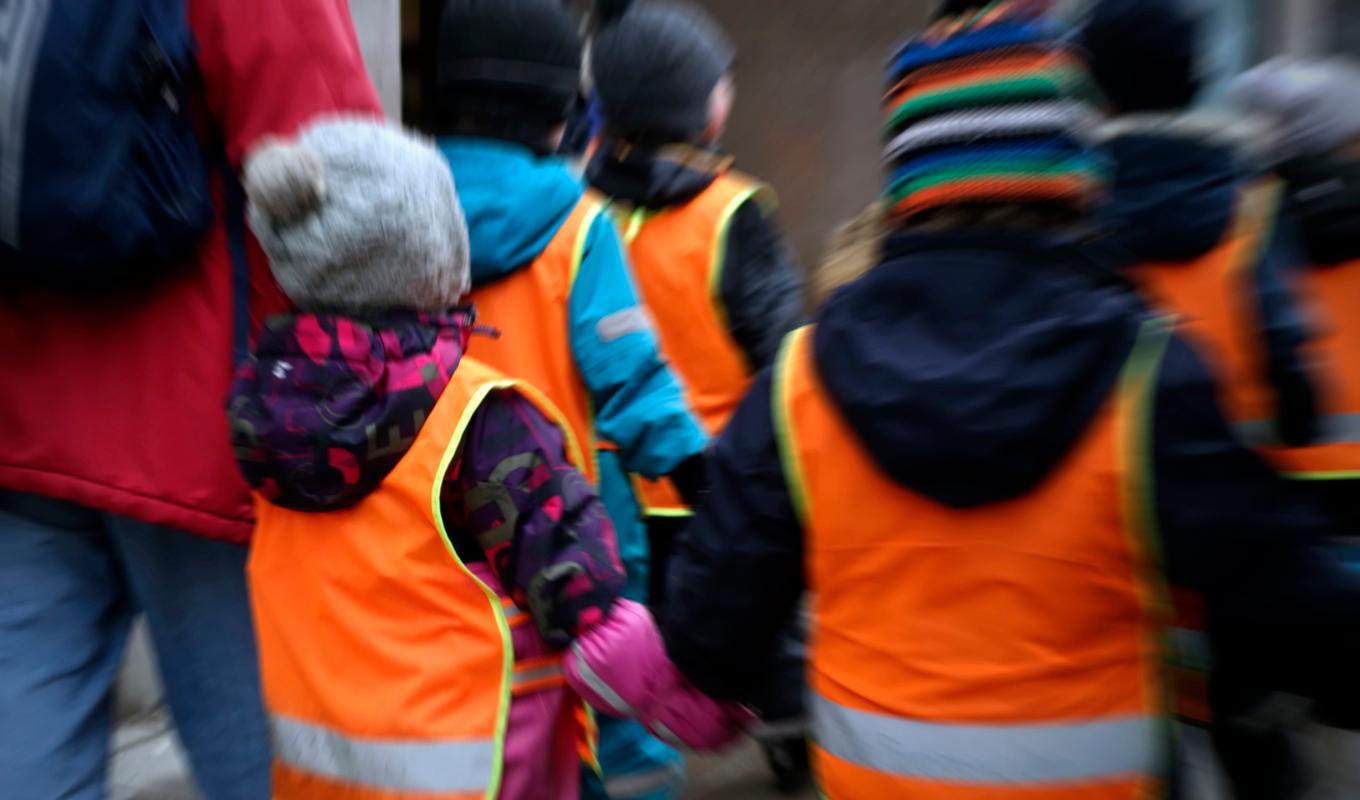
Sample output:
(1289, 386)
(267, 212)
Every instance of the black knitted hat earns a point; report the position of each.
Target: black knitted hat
(509, 62)
(656, 67)
(1144, 53)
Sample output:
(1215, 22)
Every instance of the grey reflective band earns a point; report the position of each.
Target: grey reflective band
(539, 674)
(967, 753)
(593, 682)
(447, 766)
(615, 326)
(1332, 429)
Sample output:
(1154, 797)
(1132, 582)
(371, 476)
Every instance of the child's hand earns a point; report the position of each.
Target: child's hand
(620, 667)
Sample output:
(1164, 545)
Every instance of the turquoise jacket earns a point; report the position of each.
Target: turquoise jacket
(515, 202)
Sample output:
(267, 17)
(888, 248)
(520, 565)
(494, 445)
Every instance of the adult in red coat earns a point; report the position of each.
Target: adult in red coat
(118, 489)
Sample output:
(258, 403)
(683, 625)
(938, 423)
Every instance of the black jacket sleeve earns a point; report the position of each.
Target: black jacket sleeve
(1285, 331)
(762, 291)
(1255, 544)
(737, 574)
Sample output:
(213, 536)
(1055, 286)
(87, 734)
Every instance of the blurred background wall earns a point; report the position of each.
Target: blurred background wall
(809, 75)
(809, 81)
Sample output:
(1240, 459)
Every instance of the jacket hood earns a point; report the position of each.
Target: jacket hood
(514, 200)
(968, 365)
(1174, 190)
(328, 405)
(654, 178)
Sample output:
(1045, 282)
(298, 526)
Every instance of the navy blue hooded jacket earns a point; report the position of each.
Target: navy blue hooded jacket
(1173, 199)
(968, 366)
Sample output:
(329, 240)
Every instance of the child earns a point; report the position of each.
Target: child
(707, 251)
(425, 547)
(549, 272)
(983, 462)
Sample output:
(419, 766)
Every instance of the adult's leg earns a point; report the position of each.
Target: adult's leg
(193, 592)
(63, 622)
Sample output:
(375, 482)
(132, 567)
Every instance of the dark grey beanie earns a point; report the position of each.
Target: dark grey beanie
(655, 68)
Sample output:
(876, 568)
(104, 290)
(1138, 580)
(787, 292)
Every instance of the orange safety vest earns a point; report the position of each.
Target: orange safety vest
(1214, 298)
(1011, 651)
(678, 255)
(1335, 292)
(530, 309)
(387, 665)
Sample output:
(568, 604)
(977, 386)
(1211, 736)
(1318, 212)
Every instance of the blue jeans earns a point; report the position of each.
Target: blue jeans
(71, 579)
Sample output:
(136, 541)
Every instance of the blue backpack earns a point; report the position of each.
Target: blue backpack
(102, 175)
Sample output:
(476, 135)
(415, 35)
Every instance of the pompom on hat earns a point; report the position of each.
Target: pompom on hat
(358, 216)
(988, 107)
(1312, 106)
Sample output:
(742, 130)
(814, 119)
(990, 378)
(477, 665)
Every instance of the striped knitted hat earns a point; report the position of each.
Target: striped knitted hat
(990, 107)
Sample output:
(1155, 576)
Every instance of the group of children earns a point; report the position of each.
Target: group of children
(986, 463)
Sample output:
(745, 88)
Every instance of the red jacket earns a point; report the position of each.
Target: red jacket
(116, 400)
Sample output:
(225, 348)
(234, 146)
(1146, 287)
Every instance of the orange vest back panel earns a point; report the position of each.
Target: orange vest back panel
(678, 258)
(1007, 651)
(530, 309)
(386, 663)
(1335, 292)
(1215, 301)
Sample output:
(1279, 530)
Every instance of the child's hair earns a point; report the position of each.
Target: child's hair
(854, 249)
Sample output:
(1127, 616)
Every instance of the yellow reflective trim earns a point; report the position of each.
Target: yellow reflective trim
(785, 433)
(578, 253)
(495, 600)
(636, 220)
(718, 258)
(1344, 475)
(1260, 204)
(669, 513)
(1136, 395)
(582, 236)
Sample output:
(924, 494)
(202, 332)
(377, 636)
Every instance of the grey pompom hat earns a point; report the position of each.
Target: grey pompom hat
(1313, 106)
(655, 68)
(357, 216)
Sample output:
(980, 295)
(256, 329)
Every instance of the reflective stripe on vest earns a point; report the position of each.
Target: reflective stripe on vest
(964, 753)
(679, 255)
(1008, 651)
(425, 766)
(1332, 429)
(381, 726)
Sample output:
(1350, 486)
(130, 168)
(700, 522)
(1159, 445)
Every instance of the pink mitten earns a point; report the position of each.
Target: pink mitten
(620, 667)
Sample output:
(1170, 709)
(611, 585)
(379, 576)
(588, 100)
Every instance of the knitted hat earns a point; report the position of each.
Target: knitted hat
(1144, 53)
(656, 67)
(986, 108)
(509, 61)
(358, 216)
(1311, 104)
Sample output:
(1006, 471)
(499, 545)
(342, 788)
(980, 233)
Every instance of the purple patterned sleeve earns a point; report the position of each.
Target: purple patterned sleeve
(515, 500)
